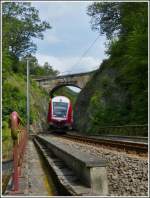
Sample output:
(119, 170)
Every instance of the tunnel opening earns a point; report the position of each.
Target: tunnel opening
(71, 92)
(68, 90)
(62, 89)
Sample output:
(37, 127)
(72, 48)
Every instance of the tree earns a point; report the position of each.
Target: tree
(49, 70)
(105, 18)
(117, 18)
(125, 25)
(21, 23)
(35, 68)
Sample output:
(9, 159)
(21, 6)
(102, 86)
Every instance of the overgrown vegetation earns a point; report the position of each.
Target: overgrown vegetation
(21, 23)
(118, 92)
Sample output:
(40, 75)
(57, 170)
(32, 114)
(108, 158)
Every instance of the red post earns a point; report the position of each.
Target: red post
(15, 171)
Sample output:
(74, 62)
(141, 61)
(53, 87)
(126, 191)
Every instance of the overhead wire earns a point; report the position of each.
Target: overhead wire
(83, 55)
(86, 51)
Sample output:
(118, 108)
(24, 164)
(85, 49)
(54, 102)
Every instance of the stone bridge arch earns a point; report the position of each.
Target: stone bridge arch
(51, 84)
(51, 92)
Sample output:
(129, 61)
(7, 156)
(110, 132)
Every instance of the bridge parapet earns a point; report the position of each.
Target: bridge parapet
(42, 78)
(50, 84)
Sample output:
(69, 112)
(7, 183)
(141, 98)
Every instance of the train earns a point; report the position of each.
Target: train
(60, 113)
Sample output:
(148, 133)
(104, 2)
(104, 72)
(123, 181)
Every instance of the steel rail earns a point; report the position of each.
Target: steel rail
(121, 144)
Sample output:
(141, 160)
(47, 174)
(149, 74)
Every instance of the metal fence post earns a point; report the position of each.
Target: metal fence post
(20, 139)
(15, 171)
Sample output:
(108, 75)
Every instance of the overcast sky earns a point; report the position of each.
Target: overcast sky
(69, 38)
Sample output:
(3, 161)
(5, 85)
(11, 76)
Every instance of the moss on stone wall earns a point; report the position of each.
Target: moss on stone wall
(105, 101)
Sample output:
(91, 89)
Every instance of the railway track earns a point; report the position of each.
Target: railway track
(126, 145)
(127, 138)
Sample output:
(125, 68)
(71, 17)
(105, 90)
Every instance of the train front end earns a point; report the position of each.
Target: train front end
(60, 113)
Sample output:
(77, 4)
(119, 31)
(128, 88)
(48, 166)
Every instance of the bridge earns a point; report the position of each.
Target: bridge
(51, 84)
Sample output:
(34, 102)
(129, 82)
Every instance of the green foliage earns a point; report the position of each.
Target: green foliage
(7, 144)
(35, 68)
(105, 17)
(117, 18)
(12, 98)
(45, 70)
(118, 92)
(21, 23)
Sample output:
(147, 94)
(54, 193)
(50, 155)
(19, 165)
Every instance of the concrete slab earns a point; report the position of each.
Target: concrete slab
(64, 177)
(90, 170)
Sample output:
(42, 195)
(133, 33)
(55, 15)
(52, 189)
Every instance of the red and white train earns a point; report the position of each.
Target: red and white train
(60, 113)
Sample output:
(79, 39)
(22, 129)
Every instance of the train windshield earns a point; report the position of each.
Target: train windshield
(60, 109)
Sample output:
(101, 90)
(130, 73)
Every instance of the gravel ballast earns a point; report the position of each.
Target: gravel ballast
(127, 174)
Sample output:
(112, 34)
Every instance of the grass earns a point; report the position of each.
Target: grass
(7, 144)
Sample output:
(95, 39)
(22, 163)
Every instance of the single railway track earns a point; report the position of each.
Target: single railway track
(126, 145)
(130, 138)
